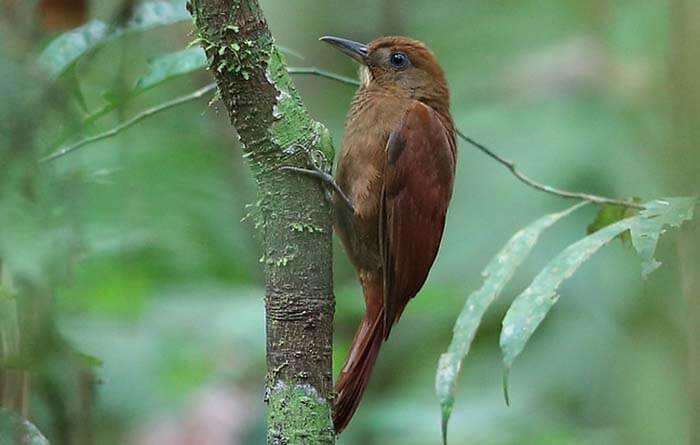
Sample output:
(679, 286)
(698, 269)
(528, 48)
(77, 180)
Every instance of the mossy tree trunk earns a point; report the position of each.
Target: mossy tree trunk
(684, 80)
(292, 215)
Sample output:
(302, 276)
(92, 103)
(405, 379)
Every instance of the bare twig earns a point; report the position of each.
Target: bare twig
(124, 125)
(313, 71)
(510, 165)
(108, 108)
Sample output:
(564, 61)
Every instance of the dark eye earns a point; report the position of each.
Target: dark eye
(398, 60)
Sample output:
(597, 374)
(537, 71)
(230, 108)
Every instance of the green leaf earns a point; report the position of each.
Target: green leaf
(157, 13)
(14, 430)
(172, 65)
(87, 360)
(656, 215)
(530, 307)
(169, 66)
(163, 68)
(610, 214)
(65, 50)
(496, 275)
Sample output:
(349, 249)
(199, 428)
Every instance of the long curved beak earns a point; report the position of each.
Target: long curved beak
(356, 50)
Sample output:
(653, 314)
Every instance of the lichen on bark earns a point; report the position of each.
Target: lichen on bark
(275, 129)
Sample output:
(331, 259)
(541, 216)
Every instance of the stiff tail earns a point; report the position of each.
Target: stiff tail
(355, 374)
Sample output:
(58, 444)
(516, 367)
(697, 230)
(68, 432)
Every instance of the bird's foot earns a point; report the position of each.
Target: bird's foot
(315, 170)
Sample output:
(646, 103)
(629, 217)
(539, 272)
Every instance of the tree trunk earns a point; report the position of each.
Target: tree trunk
(292, 215)
(685, 94)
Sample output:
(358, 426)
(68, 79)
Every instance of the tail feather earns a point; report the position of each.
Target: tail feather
(355, 374)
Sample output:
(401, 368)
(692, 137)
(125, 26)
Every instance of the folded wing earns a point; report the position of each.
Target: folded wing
(418, 180)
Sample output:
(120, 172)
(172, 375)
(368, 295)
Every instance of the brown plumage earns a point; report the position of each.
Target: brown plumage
(397, 168)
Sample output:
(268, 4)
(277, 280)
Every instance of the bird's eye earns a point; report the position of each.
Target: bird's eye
(398, 60)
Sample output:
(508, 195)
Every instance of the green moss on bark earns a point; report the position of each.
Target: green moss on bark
(298, 416)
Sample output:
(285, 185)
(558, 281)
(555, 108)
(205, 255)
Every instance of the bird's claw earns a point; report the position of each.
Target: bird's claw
(319, 168)
(318, 160)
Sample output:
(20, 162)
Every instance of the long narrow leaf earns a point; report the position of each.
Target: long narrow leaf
(530, 307)
(647, 229)
(496, 275)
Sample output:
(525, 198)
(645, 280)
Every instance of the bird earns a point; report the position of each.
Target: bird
(393, 184)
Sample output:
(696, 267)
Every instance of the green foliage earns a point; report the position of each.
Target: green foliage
(87, 360)
(496, 275)
(609, 214)
(165, 67)
(651, 223)
(64, 51)
(167, 288)
(162, 68)
(17, 431)
(532, 305)
(168, 66)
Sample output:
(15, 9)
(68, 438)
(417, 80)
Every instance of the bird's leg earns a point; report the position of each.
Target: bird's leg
(316, 170)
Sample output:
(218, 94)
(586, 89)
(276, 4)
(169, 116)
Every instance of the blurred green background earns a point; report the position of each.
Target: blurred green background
(140, 243)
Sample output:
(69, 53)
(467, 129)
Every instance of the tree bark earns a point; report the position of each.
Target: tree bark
(684, 80)
(292, 215)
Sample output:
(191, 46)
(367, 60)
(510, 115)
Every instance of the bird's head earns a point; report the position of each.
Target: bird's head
(400, 65)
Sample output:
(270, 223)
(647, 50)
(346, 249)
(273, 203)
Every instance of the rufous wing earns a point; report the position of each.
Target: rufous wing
(418, 180)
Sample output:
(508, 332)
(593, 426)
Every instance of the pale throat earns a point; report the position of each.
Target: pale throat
(365, 76)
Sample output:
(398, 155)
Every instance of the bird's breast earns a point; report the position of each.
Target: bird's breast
(360, 174)
(370, 121)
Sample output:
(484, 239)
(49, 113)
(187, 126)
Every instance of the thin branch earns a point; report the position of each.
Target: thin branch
(87, 120)
(123, 126)
(108, 108)
(313, 71)
(510, 165)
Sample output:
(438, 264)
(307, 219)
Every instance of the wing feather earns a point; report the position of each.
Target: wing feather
(418, 181)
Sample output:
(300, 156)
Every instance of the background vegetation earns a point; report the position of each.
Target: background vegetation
(134, 249)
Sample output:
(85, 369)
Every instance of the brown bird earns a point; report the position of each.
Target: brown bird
(394, 182)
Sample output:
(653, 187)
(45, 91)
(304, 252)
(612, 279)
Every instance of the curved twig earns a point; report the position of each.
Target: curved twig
(313, 71)
(108, 108)
(124, 125)
(510, 165)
